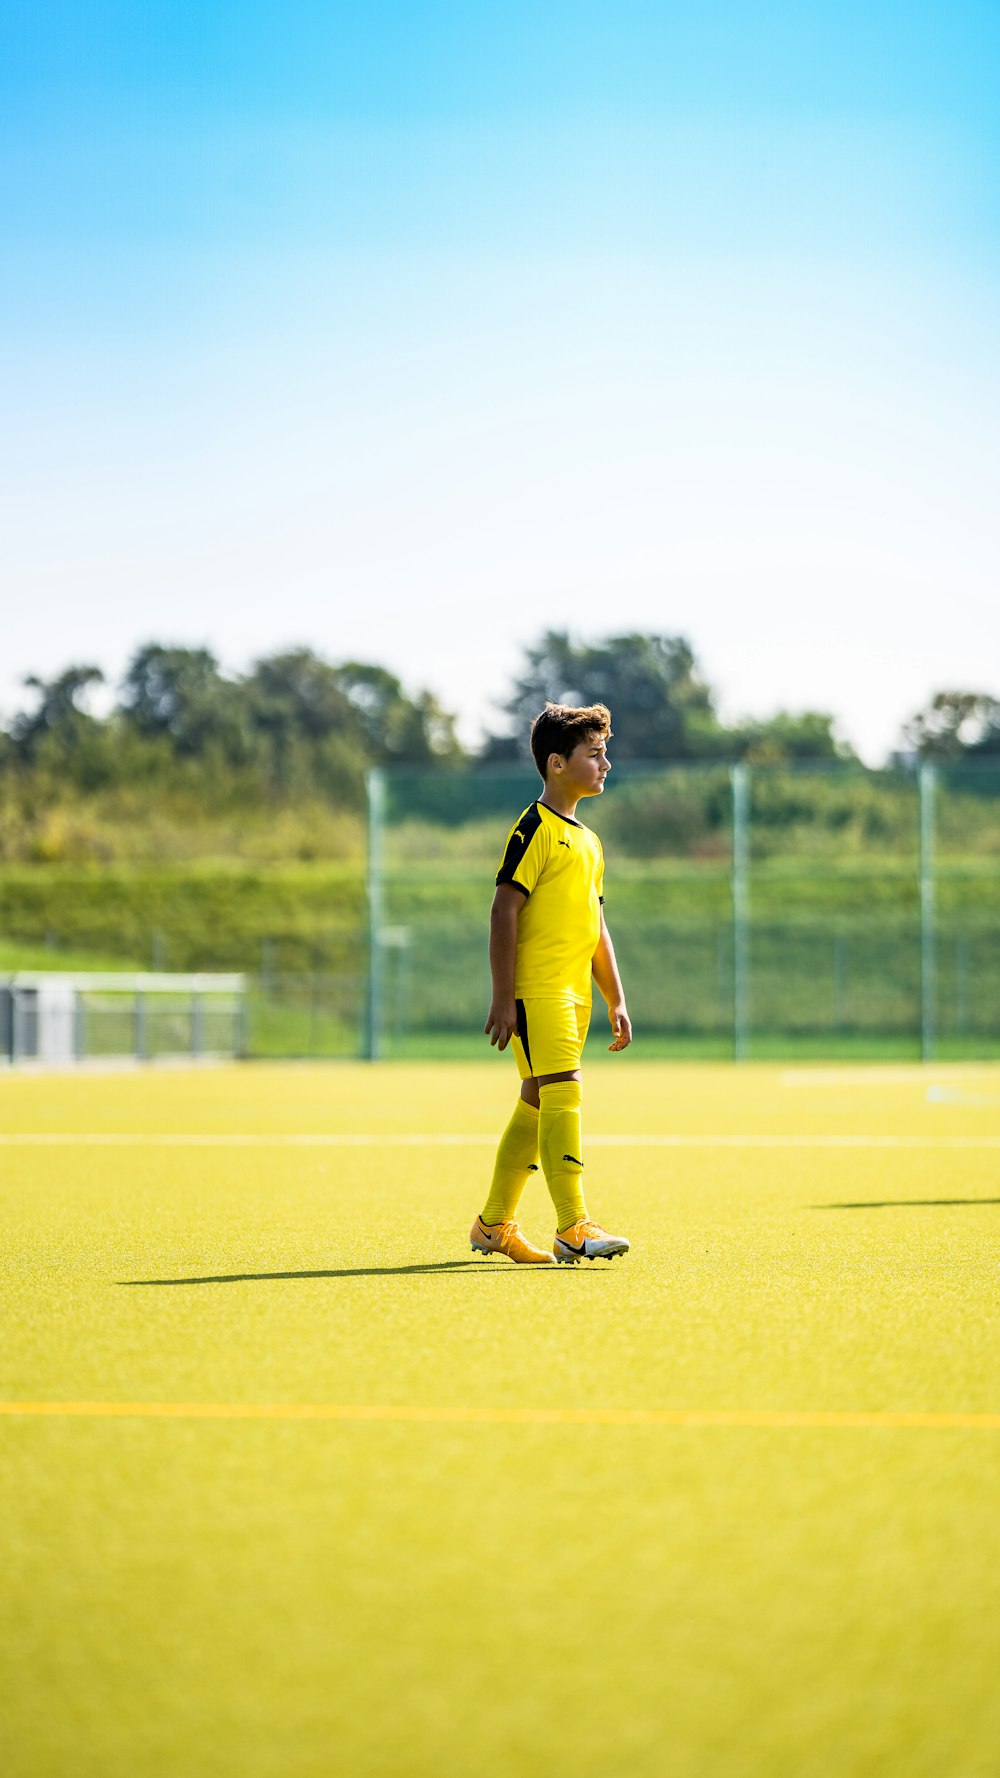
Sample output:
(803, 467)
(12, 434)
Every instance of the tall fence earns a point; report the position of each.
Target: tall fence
(756, 910)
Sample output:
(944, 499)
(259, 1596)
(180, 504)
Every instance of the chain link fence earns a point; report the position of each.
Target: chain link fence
(756, 910)
(761, 910)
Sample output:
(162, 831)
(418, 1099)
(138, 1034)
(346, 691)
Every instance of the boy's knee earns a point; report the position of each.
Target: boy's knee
(561, 1093)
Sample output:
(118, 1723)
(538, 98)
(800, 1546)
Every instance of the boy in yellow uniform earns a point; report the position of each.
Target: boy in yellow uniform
(548, 942)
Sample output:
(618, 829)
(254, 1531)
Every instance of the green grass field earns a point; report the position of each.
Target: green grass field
(295, 1486)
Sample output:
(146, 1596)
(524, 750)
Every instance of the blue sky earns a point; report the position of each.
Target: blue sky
(408, 332)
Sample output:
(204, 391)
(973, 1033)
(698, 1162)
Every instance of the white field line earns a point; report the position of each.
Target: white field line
(498, 1415)
(417, 1139)
(944, 1096)
(886, 1074)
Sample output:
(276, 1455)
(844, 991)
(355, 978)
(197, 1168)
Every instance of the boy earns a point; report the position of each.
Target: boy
(548, 939)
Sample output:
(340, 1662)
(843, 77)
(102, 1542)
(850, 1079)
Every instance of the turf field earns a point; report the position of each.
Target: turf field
(293, 1485)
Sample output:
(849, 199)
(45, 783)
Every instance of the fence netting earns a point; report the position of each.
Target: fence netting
(771, 911)
(965, 923)
(759, 910)
(668, 844)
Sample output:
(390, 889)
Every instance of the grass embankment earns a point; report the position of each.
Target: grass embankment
(834, 947)
(198, 916)
(154, 823)
(612, 1588)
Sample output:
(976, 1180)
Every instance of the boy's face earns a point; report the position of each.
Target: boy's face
(584, 772)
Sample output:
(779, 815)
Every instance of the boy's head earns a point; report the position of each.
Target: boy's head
(561, 728)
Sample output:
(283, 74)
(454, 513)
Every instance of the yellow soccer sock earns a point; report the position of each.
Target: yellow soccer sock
(517, 1156)
(560, 1137)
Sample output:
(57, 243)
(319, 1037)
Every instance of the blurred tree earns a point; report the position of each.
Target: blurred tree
(59, 746)
(296, 694)
(307, 730)
(660, 706)
(180, 693)
(808, 735)
(58, 712)
(399, 730)
(955, 725)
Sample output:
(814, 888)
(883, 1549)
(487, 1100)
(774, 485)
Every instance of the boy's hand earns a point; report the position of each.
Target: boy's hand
(621, 1025)
(501, 1022)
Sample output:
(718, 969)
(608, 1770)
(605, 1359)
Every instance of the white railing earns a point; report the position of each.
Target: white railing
(57, 1019)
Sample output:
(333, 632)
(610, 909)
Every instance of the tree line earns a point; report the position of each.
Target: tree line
(297, 726)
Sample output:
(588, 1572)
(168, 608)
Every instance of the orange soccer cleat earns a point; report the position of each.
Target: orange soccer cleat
(586, 1240)
(506, 1238)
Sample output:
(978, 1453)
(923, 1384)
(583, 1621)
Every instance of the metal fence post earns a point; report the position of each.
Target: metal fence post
(740, 781)
(375, 786)
(839, 979)
(927, 781)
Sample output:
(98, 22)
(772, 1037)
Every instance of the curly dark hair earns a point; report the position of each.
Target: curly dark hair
(561, 727)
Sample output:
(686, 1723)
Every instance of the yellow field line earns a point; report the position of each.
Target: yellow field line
(376, 1139)
(499, 1416)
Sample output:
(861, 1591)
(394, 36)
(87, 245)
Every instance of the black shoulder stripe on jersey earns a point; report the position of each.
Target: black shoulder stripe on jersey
(517, 846)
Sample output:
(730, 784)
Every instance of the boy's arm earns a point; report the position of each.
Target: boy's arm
(501, 1020)
(605, 968)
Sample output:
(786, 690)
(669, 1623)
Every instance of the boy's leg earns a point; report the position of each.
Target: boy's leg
(560, 1137)
(495, 1231)
(553, 1035)
(561, 1142)
(517, 1159)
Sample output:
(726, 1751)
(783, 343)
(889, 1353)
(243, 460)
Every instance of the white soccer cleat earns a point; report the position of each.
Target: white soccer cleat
(587, 1240)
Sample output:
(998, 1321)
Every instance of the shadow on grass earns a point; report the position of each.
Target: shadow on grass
(904, 1203)
(425, 1266)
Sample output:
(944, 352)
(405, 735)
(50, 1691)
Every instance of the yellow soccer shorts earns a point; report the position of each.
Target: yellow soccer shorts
(550, 1036)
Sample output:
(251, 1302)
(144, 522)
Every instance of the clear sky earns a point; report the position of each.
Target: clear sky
(409, 330)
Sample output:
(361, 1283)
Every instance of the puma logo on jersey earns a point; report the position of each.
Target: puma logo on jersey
(566, 844)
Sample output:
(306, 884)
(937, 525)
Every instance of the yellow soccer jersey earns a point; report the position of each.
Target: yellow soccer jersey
(558, 865)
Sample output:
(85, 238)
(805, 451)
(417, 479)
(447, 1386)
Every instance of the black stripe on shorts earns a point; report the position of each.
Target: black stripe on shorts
(522, 1030)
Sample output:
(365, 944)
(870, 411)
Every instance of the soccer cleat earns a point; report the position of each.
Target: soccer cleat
(506, 1238)
(587, 1240)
